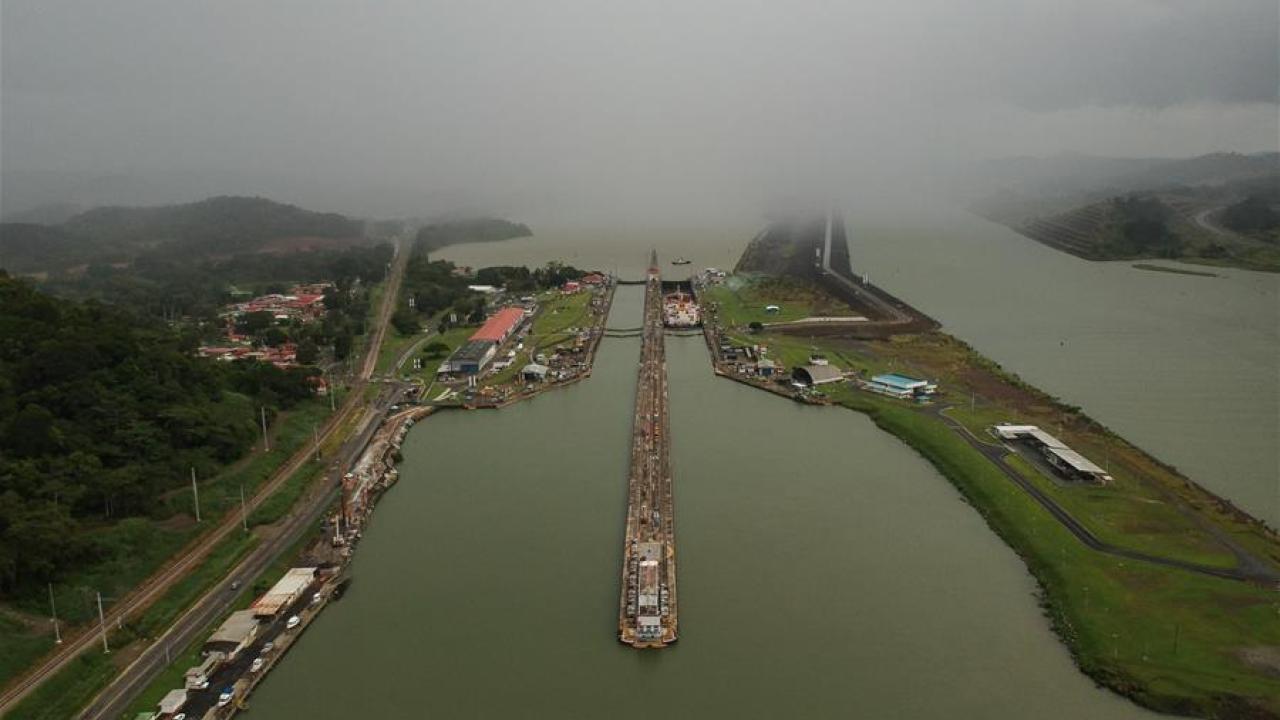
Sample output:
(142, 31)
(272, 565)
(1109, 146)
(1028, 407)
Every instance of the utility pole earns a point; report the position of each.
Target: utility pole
(102, 624)
(244, 513)
(53, 610)
(315, 432)
(266, 443)
(195, 491)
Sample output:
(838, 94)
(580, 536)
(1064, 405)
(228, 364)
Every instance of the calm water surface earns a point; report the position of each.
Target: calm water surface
(1186, 367)
(825, 572)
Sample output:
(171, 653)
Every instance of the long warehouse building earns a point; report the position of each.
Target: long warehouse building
(1067, 461)
(476, 353)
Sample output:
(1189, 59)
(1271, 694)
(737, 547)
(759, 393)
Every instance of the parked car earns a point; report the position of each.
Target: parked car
(293, 622)
(257, 664)
(228, 694)
(267, 647)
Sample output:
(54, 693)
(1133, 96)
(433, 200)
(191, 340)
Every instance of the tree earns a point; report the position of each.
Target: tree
(756, 326)
(436, 349)
(31, 432)
(405, 321)
(274, 336)
(1253, 214)
(308, 352)
(342, 346)
(256, 321)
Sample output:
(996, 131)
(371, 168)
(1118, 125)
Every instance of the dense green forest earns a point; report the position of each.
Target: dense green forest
(437, 235)
(1254, 215)
(518, 278)
(101, 412)
(197, 289)
(212, 227)
(1142, 228)
(169, 287)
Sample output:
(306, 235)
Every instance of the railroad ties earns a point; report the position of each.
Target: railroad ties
(647, 608)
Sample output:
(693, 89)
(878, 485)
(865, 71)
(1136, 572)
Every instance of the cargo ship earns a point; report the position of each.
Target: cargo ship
(680, 310)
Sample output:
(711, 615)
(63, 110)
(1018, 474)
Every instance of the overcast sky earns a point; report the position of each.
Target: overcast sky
(403, 107)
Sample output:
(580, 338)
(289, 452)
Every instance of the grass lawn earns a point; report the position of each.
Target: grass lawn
(1130, 519)
(392, 346)
(22, 642)
(742, 299)
(452, 339)
(558, 312)
(64, 694)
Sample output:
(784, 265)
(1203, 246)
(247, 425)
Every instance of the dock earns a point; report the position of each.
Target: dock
(647, 606)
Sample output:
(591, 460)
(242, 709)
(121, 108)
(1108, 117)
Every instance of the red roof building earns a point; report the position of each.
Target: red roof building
(500, 326)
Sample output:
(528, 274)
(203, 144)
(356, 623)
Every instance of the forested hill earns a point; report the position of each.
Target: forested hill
(217, 226)
(439, 234)
(100, 414)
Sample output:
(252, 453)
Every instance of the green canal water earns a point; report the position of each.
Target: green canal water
(1186, 367)
(826, 571)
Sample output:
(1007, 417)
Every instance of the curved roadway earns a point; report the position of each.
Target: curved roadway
(1249, 568)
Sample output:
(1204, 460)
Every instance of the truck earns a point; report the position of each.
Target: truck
(197, 678)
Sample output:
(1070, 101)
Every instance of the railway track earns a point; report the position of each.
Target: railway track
(142, 597)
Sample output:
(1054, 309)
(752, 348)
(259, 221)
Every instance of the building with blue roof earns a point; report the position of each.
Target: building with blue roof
(900, 386)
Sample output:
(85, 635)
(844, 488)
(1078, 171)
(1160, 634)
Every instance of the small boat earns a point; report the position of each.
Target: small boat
(680, 261)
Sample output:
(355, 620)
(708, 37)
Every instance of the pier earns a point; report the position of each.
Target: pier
(647, 607)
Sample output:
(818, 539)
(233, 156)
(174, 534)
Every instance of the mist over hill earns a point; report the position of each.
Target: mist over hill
(1221, 208)
(216, 226)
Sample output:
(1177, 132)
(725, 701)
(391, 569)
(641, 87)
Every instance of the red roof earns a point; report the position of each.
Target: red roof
(498, 327)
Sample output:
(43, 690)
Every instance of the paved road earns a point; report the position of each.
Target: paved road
(115, 699)
(155, 586)
(1202, 219)
(892, 314)
(1249, 569)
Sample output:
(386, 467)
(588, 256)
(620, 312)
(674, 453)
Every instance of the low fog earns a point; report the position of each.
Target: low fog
(591, 110)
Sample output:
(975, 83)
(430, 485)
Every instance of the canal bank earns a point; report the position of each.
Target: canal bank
(826, 571)
(1090, 333)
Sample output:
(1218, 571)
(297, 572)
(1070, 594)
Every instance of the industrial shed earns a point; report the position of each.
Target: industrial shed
(471, 358)
(239, 629)
(1068, 462)
(534, 372)
(283, 593)
(500, 326)
(900, 386)
(172, 702)
(812, 375)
